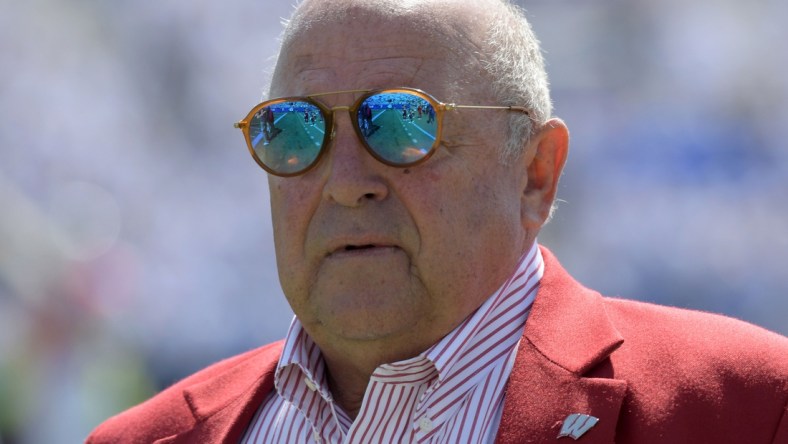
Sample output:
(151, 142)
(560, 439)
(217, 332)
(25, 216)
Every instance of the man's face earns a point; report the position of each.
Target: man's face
(369, 252)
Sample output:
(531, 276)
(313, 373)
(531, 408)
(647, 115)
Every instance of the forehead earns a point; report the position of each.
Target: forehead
(365, 48)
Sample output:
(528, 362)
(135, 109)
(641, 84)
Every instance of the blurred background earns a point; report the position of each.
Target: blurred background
(135, 238)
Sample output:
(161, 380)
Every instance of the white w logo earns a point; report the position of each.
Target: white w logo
(576, 424)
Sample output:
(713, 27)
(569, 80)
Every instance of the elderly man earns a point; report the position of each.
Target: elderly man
(406, 246)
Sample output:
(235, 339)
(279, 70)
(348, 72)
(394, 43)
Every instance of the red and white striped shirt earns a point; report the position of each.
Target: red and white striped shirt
(453, 392)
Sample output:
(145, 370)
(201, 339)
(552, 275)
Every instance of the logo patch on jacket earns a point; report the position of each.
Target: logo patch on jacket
(576, 424)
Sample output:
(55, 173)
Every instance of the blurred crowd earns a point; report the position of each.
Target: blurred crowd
(135, 238)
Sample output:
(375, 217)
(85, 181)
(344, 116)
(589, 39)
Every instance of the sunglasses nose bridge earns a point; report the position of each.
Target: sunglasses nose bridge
(340, 108)
(333, 111)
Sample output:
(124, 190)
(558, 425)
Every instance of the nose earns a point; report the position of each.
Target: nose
(353, 175)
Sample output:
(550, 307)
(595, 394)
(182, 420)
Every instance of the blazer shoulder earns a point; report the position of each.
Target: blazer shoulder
(676, 361)
(168, 412)
(703, 330)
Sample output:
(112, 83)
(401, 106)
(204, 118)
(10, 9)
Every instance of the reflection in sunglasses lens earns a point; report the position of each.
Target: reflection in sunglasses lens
(399, 127)
(287, 136)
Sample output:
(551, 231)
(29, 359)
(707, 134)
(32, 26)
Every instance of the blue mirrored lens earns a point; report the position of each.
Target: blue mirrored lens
(398, 126)
(287, 136)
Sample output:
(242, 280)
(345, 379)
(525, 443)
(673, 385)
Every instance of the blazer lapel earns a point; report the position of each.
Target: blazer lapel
(224, 406)
(562, 366)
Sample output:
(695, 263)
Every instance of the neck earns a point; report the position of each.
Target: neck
(348, 385)
(350, 367)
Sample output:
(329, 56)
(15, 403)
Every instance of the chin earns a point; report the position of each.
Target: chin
(369, 326)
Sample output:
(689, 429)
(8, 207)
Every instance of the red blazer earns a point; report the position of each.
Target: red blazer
(651, 374)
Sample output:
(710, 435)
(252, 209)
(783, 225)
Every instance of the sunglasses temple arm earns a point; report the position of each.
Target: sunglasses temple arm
(453, 106)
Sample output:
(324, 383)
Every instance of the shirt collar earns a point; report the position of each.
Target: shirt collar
(300, 352)
(445, 353)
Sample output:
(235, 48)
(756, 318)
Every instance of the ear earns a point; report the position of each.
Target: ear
(545, 157)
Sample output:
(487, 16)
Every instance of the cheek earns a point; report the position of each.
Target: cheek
(465, 221)
(292, 204)
(281, 212)
(465, 205)
(291, 210)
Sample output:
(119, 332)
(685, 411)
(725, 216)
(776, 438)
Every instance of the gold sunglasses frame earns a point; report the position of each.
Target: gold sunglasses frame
(328, 116)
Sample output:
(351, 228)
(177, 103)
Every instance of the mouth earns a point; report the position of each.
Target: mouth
(358, 247)
(353, 250)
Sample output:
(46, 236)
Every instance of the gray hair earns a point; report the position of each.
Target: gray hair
(514, 61)
(511, 57)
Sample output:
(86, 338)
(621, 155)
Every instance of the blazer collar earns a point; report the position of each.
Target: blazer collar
(568, 323)
(562, 364)
(223, 406)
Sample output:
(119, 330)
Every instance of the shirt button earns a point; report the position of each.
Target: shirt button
(425, 424)
(316, 436)
(312, 386)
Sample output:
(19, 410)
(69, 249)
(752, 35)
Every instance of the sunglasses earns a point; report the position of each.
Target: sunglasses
(400, 127)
